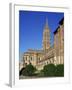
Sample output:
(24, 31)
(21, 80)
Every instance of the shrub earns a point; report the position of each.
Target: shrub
(29, 70)
(59, 70)
(20, 72)
(49, 70)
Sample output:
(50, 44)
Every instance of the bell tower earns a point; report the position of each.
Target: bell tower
(46, 36)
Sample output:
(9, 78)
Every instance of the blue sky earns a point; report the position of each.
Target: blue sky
(31, 26)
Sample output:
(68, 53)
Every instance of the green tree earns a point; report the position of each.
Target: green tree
(59, 70)
(20, 72)
(29, 70)
(49, 70)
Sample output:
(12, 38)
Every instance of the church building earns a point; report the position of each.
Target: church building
(48, 54)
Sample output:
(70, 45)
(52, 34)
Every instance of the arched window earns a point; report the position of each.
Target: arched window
(39, 58)
(47, 62)
(31, 58)
(26, 58)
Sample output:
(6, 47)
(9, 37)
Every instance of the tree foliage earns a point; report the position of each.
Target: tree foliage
(49, 70)
(20, 72)
(59, 70)
(52, 70)
(28, 70)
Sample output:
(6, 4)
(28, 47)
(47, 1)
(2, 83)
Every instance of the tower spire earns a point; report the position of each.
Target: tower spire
(46, 36)
(46, 24)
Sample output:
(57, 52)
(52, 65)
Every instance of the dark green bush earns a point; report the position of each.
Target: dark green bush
(59, 70)
(29, 70)
(20, 72)
(49, 70)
